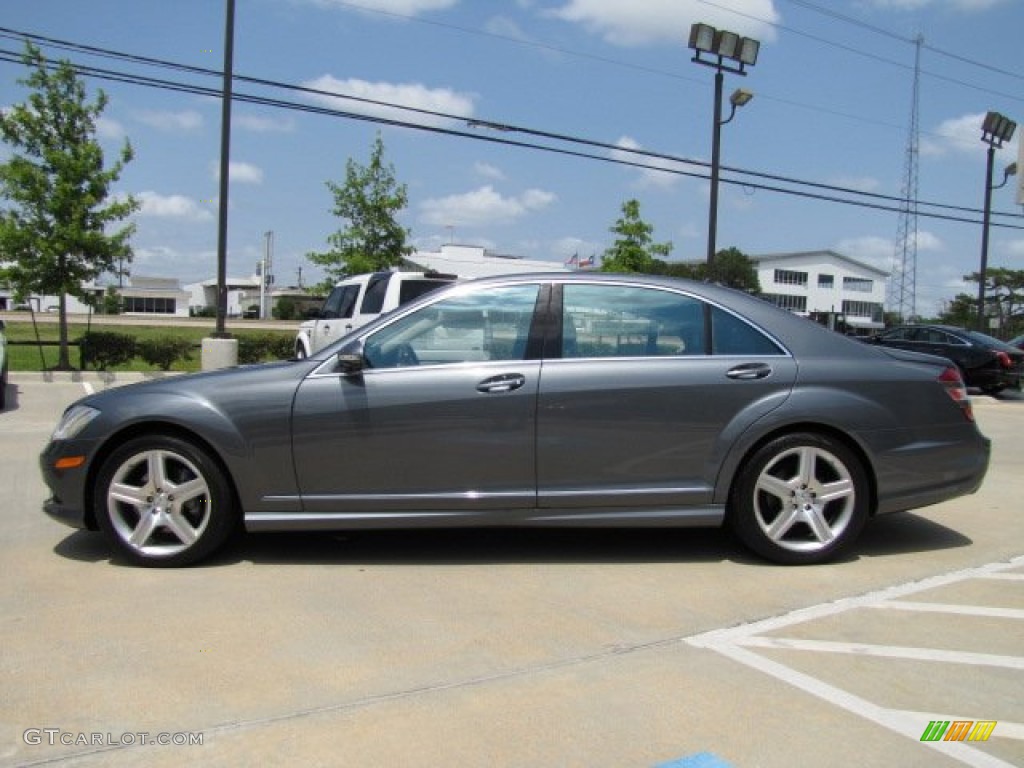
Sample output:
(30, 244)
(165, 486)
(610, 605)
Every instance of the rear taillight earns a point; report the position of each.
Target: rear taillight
(950, 378)
(1004, 360)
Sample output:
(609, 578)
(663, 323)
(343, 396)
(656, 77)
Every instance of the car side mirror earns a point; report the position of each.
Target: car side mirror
(351, 360)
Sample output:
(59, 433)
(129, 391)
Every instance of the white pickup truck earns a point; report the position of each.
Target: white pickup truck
(357, 300)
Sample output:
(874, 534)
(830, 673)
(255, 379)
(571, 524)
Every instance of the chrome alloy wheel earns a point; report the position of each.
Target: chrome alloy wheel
(804, 499)
(158, 502)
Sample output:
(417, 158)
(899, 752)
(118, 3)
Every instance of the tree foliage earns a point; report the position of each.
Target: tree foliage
(368, 203)
(634, 249)
(56, 232)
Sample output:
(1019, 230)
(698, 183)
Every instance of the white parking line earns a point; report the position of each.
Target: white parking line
(962, 610)
(735, 643)
(886, 651)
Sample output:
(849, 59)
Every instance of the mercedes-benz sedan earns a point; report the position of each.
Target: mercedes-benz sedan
(530, 400)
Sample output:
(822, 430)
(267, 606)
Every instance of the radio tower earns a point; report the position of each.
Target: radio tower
(903, 281)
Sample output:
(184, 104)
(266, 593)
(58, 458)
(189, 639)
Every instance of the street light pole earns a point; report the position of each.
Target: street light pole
(995, 130)
(729, 53)
(716, 163)
(986, 217)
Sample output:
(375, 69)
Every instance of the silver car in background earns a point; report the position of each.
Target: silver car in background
(531, 400)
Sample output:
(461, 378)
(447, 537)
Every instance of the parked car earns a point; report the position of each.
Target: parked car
(984, 362)
(357, 300)
(1017, 341)
(3, 366)
(569, 399)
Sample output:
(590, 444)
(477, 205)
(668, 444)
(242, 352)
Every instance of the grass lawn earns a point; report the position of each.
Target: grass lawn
(27, 357)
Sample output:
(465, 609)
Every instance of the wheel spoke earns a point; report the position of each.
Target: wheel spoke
(807, 463)
(818, 525)
(776, 486)
(143, 531)
(189, 490)
(157, 464)
(128, 494)
(781, 525)
(840, 489)
(180, 527)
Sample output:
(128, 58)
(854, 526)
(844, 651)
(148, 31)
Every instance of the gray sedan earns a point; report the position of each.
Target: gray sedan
(530, 400)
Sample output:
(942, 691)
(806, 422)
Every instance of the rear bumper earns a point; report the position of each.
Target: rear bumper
(952, 469)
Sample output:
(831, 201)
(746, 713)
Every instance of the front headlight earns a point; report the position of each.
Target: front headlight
(74, 420)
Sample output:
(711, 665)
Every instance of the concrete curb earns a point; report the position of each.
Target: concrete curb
(106, 378)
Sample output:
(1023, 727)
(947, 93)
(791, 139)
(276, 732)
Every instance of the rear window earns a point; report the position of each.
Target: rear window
(410, 290)
(376, 289)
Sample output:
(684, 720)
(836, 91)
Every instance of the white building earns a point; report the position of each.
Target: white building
(824, 284)
(468, 261)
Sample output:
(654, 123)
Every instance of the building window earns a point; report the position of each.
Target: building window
(151, 305)
(792, 303)
(790, 277)
(858, 284)
(867, 309)
(826, 281)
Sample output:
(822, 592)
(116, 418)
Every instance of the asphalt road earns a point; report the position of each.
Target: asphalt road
(495, 648)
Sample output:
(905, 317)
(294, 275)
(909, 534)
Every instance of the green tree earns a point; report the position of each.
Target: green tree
(1004, 297)
(634, 250)
(56, 233)
(731, 267)
(368, 202)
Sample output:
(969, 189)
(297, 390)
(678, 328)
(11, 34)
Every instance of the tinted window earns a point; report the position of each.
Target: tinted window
(340, 302)
(376, 289)
(621, 321)
(732, 336)
(413, 289)
(489, 324)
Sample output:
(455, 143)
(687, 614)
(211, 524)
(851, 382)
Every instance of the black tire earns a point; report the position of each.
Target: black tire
(163, 502)
(300, 352)
(778, 506)
(3, 389)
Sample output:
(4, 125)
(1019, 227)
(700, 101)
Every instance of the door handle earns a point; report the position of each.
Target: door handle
(748, 371)
(505, 382)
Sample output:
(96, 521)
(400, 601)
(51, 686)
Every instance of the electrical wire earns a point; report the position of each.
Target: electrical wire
(873, 200)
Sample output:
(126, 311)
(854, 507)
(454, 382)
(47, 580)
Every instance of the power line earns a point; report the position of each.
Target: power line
(873, 200)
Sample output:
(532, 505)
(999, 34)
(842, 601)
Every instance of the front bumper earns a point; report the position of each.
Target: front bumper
(68, 502)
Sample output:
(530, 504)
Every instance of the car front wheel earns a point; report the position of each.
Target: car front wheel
(800, 499)
(163, 501)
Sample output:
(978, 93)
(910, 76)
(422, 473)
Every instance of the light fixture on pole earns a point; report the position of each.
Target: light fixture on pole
(995, 130)
(726, 52)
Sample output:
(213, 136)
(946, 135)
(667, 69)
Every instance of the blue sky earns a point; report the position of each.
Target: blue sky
(832, 105)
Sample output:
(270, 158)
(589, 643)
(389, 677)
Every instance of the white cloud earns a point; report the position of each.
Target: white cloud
(488, 171)
(108, 128)
(482, 207)
(656, 174)
(881, 251)
(959, 5)
(258, 124)
(645, 22)
(175, 122)
(410, 95)
(171, 207)
(243, 173)
(398, 7)
(963, 135)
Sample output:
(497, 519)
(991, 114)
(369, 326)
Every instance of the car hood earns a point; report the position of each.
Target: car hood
(208, 385)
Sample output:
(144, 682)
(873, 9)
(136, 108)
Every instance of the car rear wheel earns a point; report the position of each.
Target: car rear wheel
(800, 499)
(163, 501)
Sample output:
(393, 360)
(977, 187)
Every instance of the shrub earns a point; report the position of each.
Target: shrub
(105, 349)
(164, 351)
(286, 309)
(257, 347)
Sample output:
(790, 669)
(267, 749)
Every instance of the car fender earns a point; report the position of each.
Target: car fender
(801, 410)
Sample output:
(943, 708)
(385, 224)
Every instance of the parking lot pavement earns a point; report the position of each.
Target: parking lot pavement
(560, 648)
